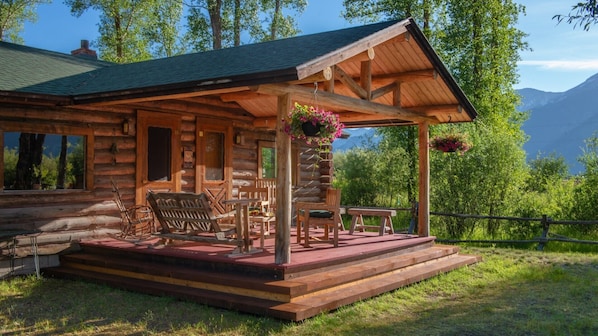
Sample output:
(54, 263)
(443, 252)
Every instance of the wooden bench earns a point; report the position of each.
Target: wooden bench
(188, 216)
(385, 215)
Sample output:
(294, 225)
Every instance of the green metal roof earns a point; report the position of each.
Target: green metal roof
(26, 69)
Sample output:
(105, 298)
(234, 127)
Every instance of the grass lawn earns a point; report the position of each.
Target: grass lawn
(511, 292)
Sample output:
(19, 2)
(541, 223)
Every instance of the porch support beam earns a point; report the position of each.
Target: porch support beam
(282, 247)
(350, 82)
(423, 216)
(339, 102)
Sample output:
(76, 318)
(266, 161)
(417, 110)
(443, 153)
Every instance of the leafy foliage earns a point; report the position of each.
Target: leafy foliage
(372, 176)
(216, 24)
(129, 28)
(586, 193)
(546, 171)
(14, 14)
(582, 14)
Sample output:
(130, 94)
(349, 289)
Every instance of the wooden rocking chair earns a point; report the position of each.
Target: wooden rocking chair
(136, 221)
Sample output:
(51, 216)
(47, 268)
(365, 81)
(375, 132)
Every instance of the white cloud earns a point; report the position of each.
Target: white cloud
(563, 65)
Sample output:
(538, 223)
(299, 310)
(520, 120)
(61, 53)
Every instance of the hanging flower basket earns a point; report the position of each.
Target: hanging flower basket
(451, 143)
(312, 125)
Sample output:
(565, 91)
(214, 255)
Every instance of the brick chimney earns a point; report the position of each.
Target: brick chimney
(84, 51)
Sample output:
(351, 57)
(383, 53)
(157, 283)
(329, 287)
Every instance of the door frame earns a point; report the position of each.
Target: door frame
(225, 127)
(147, 119)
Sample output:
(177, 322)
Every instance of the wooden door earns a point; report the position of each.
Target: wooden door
(158, 153)
(214, 166)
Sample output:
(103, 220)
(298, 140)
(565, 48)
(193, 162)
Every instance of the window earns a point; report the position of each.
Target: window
(40, 157)
(267, 161)
(214, 156)
(159, 154)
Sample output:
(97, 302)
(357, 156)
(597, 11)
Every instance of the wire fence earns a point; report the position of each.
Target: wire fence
(542, 239)
(545, 236)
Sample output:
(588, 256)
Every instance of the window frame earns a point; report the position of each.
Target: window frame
(58, 129)
(295, 163)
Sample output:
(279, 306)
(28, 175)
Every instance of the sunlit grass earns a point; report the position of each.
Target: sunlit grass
(511, 292)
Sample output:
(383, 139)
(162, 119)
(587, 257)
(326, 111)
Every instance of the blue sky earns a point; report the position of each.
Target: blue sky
(562, 57)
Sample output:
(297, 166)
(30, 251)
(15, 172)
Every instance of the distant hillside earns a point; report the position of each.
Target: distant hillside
(358, 137)
(561, 122)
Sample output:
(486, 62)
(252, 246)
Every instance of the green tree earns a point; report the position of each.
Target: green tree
(130, 28)
(586, 193)
(423, 12)
(163, 36)
(277, 24)
(216, 24)
(14, 14)
(354, 174)
(480, 45)
(546, 171)
(582, 14)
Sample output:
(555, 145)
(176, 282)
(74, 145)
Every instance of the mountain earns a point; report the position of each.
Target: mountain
(358, 137)
(561, 122)
(558, 122)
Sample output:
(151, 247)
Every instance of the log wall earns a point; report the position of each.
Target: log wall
(66, 216)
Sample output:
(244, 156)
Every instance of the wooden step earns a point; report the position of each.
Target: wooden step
(324, 301)
(283, 291)
(179, 276)
(299, 309)
(297, 298)
(215, 299)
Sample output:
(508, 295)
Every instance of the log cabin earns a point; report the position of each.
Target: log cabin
(205, 122)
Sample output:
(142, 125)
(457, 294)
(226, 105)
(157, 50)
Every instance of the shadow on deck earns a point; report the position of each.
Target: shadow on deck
(318, 279)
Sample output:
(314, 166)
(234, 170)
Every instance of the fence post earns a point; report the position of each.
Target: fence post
(544, 237)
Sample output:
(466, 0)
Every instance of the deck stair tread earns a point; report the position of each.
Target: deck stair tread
(329, 300)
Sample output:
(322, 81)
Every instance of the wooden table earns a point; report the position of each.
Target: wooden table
(385, 219)
(242, 224)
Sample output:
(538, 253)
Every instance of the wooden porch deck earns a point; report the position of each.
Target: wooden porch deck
(318, 279)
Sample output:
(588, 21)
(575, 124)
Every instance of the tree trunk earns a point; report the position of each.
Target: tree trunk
(30, 156)
(62, 163)
(214, 9)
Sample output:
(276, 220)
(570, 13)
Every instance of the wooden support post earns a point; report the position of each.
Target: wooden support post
(423, 218)
(282, 247)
